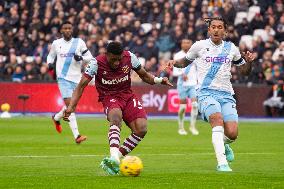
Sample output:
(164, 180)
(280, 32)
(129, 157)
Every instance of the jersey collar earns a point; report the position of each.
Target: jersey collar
(68, 41)
(214, 43)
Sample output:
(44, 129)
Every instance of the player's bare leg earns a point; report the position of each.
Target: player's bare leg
(181, 114)
(230, 135)
(139, 130)
(193, 117)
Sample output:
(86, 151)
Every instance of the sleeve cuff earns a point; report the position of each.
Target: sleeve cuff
(88, 76)
(138, 68)
(239, 62)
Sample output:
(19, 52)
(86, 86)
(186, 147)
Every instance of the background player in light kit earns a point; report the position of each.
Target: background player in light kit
(186, 84)
(215, 100)
(69, 54)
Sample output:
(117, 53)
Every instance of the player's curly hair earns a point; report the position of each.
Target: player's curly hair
(65, 22)
(114, 47)
(209, 20)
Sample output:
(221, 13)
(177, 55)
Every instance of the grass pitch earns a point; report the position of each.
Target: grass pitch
(33, 155)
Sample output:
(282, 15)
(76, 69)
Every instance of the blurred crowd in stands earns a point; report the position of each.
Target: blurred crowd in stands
(152, 29)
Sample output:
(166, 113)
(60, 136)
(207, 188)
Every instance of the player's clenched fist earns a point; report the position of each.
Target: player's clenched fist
(166, 81)
(248, 56)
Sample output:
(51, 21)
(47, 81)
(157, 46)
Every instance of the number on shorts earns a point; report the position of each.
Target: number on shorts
(137, 104)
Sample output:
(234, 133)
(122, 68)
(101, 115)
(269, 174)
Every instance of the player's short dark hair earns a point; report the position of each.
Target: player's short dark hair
(114, 47)
(209, 21)
(65, 22)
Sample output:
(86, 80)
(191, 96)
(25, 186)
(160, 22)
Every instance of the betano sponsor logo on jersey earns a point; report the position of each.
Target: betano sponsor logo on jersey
(114, 81)
(217, 59)
(67, 55)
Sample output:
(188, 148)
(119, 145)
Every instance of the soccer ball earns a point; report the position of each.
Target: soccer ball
(5, 107)
(131, 166)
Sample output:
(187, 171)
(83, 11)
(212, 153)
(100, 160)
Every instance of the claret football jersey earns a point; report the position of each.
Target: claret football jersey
(112, 81)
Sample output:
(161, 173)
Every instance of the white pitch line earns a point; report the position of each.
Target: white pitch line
(101, 155)
(31, 156)
(208, 153)
(86, 155)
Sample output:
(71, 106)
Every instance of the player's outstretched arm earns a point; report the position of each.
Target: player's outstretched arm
(151, 79)
(181, 63)
(249, 57)
(76, 97)
(191, 55)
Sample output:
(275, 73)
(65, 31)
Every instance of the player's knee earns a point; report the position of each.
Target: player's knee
(216, 119)
(142, 130)
(182, 108)
(182, 101)
(116, 120)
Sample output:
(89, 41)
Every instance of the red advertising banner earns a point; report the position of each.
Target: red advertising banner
(156, 99)
(173, 101)
(45, 98)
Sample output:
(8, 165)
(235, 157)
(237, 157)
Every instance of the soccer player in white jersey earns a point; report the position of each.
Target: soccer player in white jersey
(186, 89)
(214, 89)
(70, 54)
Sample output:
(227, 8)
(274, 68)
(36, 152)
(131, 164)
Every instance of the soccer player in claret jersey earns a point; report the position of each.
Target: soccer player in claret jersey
(214, 58)
(112, 71)
(70, 55)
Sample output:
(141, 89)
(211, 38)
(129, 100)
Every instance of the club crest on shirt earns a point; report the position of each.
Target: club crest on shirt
(125, 69)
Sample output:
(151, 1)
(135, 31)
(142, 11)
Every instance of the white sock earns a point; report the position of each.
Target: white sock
(218, 143)
(193, 115)
(73, 125)
(181, 113)
(115, 153)
(227, 140)
(59, 115)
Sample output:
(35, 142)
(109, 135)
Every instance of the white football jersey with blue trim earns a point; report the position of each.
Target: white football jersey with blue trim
(213, 64)
(66, 66)
(190, 71)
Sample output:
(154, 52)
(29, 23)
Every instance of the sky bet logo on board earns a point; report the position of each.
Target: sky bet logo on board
(217, 59)
(150, 100)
